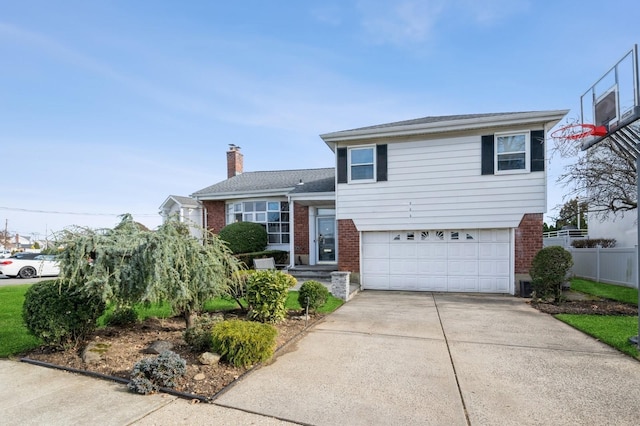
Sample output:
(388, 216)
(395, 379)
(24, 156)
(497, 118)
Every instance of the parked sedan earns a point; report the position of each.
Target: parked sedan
(43, 265)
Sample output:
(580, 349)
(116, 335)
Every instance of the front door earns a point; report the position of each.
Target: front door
(326, 238)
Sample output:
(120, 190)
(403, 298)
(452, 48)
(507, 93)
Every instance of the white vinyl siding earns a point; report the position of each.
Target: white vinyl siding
(438, 184)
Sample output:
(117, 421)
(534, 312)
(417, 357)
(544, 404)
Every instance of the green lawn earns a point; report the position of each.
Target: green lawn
(607, 291)
(612, 330)
(15, 338)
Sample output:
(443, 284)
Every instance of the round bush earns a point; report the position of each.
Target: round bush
(314, 294)
(244, 343)
(549, 270)
(244, 237)
(59, 315)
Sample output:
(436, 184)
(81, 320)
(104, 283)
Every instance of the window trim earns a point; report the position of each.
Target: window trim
(527, 152)
(373, 163)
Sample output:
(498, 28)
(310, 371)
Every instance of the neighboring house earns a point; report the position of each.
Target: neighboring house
(451, 203)
(186, 210)
(624, 229)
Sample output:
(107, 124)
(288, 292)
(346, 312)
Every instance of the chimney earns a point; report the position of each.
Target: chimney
(234, 161)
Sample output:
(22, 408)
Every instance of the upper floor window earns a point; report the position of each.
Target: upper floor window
(362, 164)
(512, 152)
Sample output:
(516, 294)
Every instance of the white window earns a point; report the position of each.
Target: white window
(362, 164)
(512, 152)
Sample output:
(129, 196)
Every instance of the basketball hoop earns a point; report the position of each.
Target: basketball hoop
(574, 132)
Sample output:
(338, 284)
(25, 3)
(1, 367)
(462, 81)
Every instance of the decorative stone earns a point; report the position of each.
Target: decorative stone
(340, 285)
(158, 347)
(208, 358)
(198, 377)
(94, 352)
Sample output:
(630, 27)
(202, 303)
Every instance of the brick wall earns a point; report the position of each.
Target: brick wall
(215, 211)
(348, 246)
(301, 229)
(528, 241)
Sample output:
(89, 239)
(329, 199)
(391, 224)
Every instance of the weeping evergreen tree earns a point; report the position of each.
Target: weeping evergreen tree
(131, 264)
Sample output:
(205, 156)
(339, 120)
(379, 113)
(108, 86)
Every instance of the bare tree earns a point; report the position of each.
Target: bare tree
(604, 177)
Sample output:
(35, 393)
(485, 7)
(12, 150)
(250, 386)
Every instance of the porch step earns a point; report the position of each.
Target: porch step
(313, 272)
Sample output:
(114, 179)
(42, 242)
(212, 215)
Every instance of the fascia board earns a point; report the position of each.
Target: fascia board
(315, 196)
(280, 192)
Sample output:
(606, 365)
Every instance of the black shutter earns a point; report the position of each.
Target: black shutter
(537, 150)
(487, 155)
(381, 163)
(342, 165)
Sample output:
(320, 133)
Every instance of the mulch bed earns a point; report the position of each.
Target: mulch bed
(595, 306)
(126, 346)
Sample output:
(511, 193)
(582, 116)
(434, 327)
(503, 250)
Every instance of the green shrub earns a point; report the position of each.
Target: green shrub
(150, 374)
(122, 316)
(267, 295)
(549, 271)
(314, 294)
(198, 336)
(244, 343)
(59, 315)
(244, 237)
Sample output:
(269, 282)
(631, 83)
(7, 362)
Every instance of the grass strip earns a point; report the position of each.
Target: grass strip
(608, 291)
(615, 331)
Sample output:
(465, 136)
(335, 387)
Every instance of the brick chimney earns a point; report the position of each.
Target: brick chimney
(234, 161)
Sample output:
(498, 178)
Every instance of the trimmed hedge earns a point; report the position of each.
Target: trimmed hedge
(595, 242)
(244, 343)
(548, 272)
(59, 315)
(244, 237)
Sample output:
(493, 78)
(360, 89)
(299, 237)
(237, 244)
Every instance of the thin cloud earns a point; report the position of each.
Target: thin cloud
(400, 22)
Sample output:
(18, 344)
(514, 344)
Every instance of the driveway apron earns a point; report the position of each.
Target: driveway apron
(421, 358)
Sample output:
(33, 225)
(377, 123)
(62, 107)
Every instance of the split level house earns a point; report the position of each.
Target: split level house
(448, 203)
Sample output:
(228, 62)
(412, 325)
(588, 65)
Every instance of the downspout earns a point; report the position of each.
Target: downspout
(292, 234)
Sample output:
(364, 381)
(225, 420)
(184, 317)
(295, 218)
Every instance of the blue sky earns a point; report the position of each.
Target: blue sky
(108, 107)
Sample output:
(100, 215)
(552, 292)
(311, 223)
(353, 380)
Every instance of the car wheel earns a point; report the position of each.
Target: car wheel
(27, 272)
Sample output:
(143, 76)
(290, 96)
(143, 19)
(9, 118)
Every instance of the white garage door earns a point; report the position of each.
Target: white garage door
(452, 260)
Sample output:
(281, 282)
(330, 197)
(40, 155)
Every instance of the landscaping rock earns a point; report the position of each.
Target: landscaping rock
(198, 377)
(208, 358)
(158, 347)
(94, 352)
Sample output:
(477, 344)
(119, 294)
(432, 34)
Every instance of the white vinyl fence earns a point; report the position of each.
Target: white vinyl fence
(606, 265)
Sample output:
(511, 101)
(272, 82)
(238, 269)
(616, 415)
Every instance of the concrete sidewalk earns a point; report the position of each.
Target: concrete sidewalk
(383, 358)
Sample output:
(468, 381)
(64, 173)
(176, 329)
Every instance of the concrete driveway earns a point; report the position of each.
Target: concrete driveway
(443, 359)
(384, 358)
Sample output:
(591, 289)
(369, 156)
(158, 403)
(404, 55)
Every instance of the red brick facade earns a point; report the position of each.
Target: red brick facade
(528, 241)
(215, 215)
(301, 229)
(348, 246)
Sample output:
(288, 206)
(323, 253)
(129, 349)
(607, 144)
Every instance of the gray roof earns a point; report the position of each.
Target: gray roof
(185, 201)
(314, 180)
(436, 119)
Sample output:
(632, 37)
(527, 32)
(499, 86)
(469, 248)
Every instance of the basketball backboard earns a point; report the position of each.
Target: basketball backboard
(614, 100)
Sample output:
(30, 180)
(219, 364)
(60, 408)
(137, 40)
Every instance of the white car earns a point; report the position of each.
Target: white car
(43, 265)
(5, 253)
